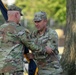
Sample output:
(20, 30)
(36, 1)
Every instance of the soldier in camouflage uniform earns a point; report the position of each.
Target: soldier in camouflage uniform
(11, 55)
(12, 40)
(47, 58)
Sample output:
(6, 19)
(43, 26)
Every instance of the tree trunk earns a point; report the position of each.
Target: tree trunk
(68, 59)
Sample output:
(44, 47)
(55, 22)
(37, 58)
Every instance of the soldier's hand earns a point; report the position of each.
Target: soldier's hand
(49, 50)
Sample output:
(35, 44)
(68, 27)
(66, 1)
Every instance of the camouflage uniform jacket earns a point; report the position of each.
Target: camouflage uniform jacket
(49, 38)
(10, 48)
(11, 53)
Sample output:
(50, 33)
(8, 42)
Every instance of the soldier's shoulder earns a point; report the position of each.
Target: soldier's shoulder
(7, 27)
(52, 31)
(7, 24)
(3, 25)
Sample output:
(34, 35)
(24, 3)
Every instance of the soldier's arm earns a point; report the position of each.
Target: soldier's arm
(28, 43)
(52, 43)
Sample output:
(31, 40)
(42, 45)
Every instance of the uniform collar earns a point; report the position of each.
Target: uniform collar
(14, 23)
(37, 32)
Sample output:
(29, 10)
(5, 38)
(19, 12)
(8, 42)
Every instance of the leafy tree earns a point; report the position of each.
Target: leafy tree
(55, 9)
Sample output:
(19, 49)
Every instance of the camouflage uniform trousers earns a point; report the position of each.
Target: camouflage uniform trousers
(14, 73)
(51, 70)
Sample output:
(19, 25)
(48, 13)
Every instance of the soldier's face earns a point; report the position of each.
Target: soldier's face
(40, 25)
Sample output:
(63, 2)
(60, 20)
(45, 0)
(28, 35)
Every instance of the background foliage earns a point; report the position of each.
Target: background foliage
(55, 9)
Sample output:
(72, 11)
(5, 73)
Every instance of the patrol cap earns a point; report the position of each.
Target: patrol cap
(40, 16)
(13, 7)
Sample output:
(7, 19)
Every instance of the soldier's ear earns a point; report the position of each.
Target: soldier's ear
(45, 21)
(16, 14)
